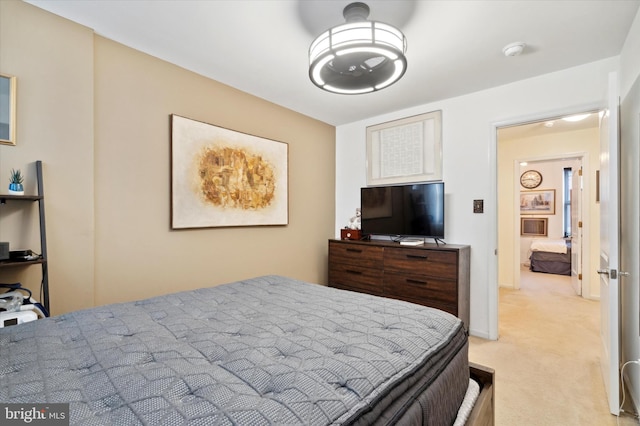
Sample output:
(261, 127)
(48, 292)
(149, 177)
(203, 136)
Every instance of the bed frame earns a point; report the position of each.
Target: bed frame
(483, 413)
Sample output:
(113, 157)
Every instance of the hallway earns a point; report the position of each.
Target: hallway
(547, 356)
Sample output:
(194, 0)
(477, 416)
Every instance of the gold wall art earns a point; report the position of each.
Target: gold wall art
(224, 178)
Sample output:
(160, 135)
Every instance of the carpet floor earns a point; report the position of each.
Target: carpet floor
(547, 356)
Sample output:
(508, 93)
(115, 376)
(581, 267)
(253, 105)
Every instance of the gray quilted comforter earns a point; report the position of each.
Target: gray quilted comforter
(268, 350)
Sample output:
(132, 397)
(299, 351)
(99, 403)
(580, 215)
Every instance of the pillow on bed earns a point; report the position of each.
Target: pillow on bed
(553, 246)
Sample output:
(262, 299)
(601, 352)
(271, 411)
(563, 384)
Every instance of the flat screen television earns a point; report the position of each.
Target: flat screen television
(413, 210)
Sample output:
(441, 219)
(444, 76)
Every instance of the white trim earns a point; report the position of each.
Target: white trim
(492, 236)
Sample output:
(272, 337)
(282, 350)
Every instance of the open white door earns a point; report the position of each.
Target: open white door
(576, 226)
(609, 245)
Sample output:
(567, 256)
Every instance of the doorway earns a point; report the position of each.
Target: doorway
(537, 142)
(549, 237)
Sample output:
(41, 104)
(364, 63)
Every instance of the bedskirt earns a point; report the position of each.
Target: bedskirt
(552, 262)
(268, 350)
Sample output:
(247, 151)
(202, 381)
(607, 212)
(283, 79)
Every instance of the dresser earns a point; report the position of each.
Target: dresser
(432, 275)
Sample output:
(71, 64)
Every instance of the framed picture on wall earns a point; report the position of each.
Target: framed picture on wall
(405, 150)
(7, 109)
(223, 178)
(538, 202)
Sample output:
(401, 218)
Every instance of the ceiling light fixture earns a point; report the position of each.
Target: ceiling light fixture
(359, 56)
(574, 118)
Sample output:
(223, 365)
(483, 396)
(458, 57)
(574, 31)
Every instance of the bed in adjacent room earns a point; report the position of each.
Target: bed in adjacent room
(268, 350)
(551, 256)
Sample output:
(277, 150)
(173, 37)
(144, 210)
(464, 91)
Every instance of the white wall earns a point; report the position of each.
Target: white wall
(629, 58)
(469, 165)
(630, 207)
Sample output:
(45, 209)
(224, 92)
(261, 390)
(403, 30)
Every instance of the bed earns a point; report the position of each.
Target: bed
(267, 350)
(551, 256)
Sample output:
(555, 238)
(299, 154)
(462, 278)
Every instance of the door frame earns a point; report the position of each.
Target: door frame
(583, 156)
(493, 293)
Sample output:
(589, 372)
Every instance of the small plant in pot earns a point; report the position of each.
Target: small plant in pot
(15, 183)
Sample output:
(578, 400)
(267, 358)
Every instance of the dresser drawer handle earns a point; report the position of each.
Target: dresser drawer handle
(350, 271)
(418, 282)
(417, 256)
(354, 250)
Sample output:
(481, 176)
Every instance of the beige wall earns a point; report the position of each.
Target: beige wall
(110, 240)
(53, 62)
(554, 145)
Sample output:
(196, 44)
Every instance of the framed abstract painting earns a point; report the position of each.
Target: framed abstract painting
(225, 178)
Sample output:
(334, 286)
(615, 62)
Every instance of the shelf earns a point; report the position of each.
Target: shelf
(10, 263)
(5, 197)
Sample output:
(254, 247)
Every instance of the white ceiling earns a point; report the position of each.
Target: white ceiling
(454, 47)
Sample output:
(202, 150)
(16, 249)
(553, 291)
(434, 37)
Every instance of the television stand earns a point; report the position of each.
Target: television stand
(435, 276)
(438, 241)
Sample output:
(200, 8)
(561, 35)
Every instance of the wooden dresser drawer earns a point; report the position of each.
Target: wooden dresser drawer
(447, 307)
(358, 254)
(355, 277)
(428, 275)
(442, 264)
(418, 287)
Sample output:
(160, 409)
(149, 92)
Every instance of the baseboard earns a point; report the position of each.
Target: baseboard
(480, 334)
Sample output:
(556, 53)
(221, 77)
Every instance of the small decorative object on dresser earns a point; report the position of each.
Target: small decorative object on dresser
(350, 234)
(15, 183)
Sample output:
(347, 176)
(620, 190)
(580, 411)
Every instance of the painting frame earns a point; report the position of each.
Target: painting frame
(226, 178)
(534, 226)
(541, 201)
(405, 151)
(8, 96)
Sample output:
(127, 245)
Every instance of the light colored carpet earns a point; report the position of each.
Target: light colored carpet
(547, 356)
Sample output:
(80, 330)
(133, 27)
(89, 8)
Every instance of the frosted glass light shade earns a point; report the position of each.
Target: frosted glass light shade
(358, 57)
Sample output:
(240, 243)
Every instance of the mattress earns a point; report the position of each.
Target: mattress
(268, 350)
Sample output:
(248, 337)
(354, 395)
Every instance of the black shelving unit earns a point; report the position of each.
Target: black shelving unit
(42, 261)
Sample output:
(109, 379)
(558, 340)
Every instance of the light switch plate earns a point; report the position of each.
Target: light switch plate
(478, 206)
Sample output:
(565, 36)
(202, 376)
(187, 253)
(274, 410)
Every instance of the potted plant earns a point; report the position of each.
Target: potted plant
(15, 183)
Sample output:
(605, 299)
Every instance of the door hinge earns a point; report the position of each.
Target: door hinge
(580, 171)
(580, 276)
(579, 224)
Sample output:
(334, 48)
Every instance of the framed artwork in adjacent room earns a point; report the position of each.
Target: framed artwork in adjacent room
(406, 150)
(7, 109)
(224, 178)
(538, 202)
